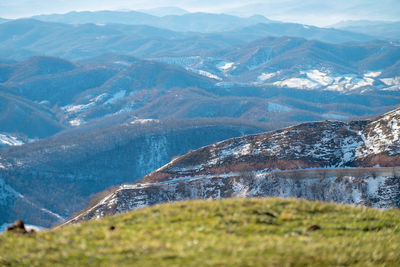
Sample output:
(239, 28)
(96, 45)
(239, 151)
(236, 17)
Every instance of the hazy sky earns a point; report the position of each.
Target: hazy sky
(317, 12)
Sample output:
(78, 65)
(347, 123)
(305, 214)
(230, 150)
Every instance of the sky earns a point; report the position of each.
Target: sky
(313, 12)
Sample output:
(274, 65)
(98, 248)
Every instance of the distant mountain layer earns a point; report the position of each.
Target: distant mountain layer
(381, 29)
(165, 11)
(22, 38)
(196, 22)
(23, 117)
(272, 80)
(315, 11)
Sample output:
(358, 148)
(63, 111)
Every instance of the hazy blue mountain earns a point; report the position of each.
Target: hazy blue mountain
(286, 53)
(23, 38)
(60, 89)
(20, 39)
(196, 22)
(278, 29)
(205, 22)
(380, 29)
(99, 17)
(39, 66)
(110, 59)
(318, 12)
(358, 23)
(165, 11)
(271, 79)
(26, 118)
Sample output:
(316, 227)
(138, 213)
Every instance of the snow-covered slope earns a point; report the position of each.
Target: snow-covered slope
(332, 161)
(327, 144)
(371, 187)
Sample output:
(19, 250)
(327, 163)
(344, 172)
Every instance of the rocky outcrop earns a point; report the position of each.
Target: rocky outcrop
(376, 187)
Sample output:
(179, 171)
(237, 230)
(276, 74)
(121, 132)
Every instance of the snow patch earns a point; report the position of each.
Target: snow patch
(8, 140)
(266, 76)
(299, 83)
(76, 122)
(143, 121)
(207, 74)
(372, 74)
(226, 66)
(118, 95)
(320, 77)
(391, 81)
(77, 108)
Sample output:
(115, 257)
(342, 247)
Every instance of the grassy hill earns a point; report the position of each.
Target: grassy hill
(245, 232)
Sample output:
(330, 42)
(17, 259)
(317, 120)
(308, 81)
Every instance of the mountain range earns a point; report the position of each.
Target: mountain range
(188, 22)
(353, 162)
(259, 82)
(22, 38)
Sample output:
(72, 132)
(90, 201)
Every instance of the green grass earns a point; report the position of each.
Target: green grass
(232, 232)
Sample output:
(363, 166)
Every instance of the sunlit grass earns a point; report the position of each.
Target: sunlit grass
(245, 232)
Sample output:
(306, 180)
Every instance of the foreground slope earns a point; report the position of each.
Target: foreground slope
(239, 232)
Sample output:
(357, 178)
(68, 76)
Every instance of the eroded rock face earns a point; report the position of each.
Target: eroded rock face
(374, 187)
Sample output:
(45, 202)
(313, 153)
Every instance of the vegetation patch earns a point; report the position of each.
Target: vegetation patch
(238, 232)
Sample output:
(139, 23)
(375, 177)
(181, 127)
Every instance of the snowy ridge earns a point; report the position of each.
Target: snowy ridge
(315, 76)
(381, 135)
(376, 187)
(311, 77)
(322, 79)
(310, 145)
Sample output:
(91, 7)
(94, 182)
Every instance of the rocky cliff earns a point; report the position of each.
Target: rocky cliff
(376, 187)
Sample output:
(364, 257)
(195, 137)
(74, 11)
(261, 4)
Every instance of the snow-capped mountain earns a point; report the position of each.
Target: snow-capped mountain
(351, 162)
(327, 144)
